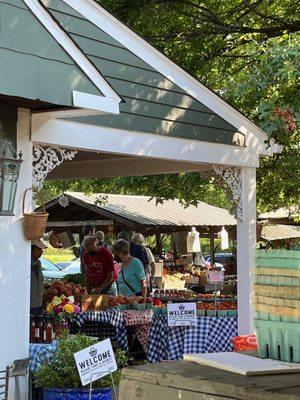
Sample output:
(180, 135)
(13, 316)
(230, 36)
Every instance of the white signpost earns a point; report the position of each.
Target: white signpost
(182, 314)
(95, 361)
(215, 277)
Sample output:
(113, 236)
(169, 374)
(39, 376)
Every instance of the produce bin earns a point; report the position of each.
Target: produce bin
(278, 340)
(276, 302)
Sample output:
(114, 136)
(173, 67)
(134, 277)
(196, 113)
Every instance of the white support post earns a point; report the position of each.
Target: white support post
(15, 269)
(246, 242)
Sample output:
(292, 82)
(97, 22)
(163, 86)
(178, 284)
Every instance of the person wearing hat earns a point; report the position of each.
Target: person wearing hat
(37, 278)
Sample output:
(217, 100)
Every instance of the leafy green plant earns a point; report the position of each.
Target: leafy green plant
(61, 371)
(77, 279)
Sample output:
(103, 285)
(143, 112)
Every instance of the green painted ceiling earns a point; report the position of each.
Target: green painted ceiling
(152, 103)
(32, 64)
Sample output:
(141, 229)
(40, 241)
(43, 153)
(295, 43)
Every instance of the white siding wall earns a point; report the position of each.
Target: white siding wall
(15, 267)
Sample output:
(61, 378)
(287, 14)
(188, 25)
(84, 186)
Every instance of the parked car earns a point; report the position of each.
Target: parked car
(221, 258)
(73, 268)
(51, 270)
(64, 265)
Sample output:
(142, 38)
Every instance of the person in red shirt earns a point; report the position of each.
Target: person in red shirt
(99, 265)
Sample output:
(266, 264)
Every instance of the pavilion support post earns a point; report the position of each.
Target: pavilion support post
(212, 248)
(158, 243)
(246, 243)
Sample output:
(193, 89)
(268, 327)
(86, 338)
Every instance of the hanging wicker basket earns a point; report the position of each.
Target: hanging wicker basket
(34, 223)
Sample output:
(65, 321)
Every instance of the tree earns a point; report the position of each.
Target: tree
(248, 52)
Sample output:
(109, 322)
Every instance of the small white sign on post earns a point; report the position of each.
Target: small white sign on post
(182, 314)
(95, 361)
(215, 276)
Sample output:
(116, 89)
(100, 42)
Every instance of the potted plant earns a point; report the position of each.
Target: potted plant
(59, 376)
(62, 309)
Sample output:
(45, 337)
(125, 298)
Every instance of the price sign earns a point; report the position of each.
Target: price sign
(182, 314)
(215, 276)
(95, 361)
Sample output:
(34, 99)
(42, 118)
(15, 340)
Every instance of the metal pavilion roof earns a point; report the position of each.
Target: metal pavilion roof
(144, 211)
(280, 232)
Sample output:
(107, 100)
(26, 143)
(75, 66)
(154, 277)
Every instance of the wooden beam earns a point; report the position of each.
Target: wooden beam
(102, 212)
(65, 133)
(122, 166)
(212, 248)
(158, 243)
(99, 222)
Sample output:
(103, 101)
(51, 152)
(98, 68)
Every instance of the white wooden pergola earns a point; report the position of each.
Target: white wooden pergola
(91, 98)
(110, 152)
(64, 148)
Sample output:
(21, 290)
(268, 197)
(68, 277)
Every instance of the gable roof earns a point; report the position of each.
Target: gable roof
(280, 232)
(144, 211)
(159, 96)
(282, 213)
(39, 61)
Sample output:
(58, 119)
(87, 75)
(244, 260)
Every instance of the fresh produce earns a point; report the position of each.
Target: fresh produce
(123, 300)
(186, 295)
(158, 303)
(59, 288)
(222, 305)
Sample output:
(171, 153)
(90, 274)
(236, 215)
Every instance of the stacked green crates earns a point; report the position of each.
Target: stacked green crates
(276, 301)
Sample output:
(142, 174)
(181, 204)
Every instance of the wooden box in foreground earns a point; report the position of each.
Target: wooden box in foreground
(94, 302)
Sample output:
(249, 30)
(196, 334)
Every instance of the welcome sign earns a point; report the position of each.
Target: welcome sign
(182, 314)
(95, 361)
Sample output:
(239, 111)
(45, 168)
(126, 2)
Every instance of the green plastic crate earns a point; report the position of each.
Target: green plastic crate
(264, 316)
(201, 313)
(285, 259)
(278, 340)
(223, 313)
(276, 280)
(231, 313)
(211, 313)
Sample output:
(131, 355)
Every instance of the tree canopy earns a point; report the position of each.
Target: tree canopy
(248, 52)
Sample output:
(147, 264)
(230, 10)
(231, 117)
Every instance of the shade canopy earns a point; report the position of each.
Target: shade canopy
(138, 213)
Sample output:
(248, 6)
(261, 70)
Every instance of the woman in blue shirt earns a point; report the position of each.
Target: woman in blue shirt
(132, 278)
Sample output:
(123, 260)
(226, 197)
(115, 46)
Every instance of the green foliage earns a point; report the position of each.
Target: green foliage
(248, 52)
(62, 372)
(77, 279)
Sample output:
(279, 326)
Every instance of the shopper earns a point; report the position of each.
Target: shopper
(37, 278)
(139, 239)
(101, 239)
(124, 235)
(99, 268)
(137, 250)
(150, 270)
(132, 278)
(87, 230)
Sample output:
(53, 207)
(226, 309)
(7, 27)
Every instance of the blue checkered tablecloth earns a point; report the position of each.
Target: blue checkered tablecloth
(39, 352)
(104, 324)
(209, 336)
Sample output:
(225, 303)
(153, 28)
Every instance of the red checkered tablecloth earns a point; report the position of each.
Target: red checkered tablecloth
(141, 320)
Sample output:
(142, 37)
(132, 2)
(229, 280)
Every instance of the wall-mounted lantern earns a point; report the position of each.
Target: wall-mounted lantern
(10, 163)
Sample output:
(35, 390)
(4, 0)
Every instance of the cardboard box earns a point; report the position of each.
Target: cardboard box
(94, 302)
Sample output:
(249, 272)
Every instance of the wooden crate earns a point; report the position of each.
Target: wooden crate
(94, 302)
